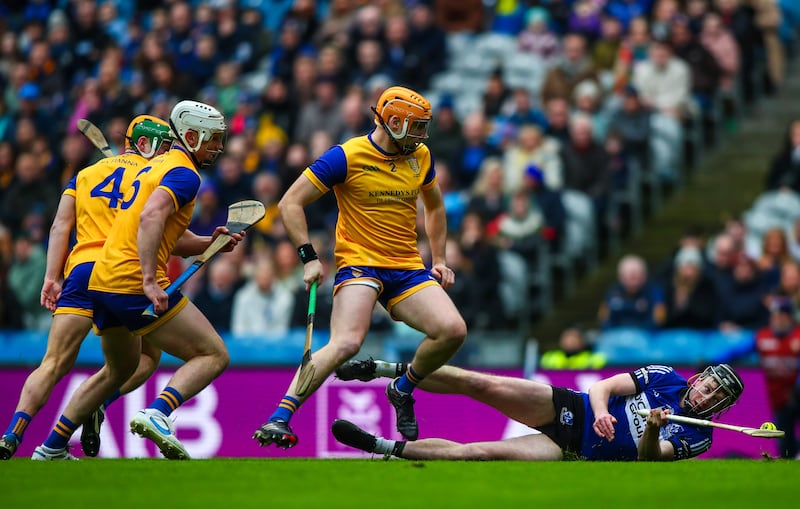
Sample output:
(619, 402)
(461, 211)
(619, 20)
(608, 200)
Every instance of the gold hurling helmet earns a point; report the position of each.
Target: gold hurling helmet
(414, 112)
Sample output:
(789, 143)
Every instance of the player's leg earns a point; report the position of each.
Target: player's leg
(350, 320)
(526, 401)
(527, 448)
(90, 433)
(121, 351)
(430, 310)
(189, 336)
(67, 332)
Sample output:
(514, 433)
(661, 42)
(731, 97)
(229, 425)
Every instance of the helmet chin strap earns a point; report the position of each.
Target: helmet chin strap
(388, 131)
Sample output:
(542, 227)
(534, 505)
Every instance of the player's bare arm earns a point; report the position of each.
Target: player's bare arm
(158, 208)
(191, 244)
(301, 193)
(436, 228)
(57, 251)
(599, 393)
(651, 448)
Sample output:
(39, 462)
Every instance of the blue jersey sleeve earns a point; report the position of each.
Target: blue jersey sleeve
(331, 167)
(431, 173)
(183, 182)
(71, 184)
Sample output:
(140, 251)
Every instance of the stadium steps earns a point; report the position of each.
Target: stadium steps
(724, 184)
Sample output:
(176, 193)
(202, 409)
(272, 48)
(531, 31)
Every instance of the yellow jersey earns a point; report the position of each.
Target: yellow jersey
(377, 197)
(118, 270)
(98, 191)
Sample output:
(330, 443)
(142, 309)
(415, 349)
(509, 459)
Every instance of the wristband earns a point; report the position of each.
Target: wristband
(307, 253)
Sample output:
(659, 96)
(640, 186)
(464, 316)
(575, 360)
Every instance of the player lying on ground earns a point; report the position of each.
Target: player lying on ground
(599, 425)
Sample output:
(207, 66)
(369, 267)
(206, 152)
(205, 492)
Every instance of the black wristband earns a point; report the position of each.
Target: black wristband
(307, 253)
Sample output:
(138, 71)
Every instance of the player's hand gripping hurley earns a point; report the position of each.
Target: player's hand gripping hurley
(95, 135)
(241, 216)
(307, 368)
(753, 432)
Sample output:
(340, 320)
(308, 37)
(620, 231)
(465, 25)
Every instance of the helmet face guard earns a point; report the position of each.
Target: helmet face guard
(414, 113)
(713, 391)
(155, 130)
(203, 119)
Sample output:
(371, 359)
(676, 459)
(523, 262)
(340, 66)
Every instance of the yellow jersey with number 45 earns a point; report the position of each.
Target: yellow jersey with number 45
(98, 191)
(377, 197)
(118, 269)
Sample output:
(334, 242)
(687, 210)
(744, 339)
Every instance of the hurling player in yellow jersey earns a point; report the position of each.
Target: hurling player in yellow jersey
(130, 273)
(377, 179)
(88, 204)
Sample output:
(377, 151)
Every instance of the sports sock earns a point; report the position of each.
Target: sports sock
(167, 401)
(111, 399)
(19, 422)
(385, 446)
(286, 409)
(407, 381)
(389, 369)
(62, 432)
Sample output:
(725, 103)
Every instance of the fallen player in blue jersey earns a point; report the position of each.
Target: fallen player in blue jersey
(602, 424)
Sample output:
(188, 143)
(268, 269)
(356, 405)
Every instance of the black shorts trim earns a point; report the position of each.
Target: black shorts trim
(567, 428)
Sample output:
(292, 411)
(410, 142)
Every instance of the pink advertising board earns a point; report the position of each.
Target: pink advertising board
(220, 421)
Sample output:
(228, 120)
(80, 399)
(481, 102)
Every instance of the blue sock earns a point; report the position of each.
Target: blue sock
(408, 380)
(286, 408)
(111, 399)
(19, 422)
(62, 432)
(167, 401)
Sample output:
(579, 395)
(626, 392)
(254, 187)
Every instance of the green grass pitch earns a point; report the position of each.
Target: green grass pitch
(365, 484)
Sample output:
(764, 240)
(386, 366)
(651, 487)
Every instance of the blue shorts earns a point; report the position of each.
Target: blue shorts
(124, 310)
(75, 299)
(392, 285)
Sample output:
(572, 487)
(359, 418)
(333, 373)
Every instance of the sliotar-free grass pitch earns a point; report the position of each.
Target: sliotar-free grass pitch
(367, 484)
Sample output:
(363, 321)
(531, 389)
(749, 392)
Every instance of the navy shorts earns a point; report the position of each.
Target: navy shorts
(392, 285)
(124, 310)
(567, 429)
(75, 298)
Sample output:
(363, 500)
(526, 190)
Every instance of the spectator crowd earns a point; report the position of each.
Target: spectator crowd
(624, 82)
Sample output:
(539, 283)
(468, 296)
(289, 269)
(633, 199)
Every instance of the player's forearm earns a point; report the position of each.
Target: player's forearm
(294, 220)
(599, 393)
(650, 445)
(436, 229)
(190, 244)
(151, 230)
(57, 248)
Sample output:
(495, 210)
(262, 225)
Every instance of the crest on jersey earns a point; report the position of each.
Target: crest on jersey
(414, 165)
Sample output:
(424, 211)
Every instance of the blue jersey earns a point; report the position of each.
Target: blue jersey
(656, 387)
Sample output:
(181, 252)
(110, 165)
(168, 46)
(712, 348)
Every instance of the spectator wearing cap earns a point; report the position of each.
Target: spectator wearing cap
(532, 147)
(549, 201)
(537, 37)
(588, 99)
(741, 299)
(208, 212)
(690, 295)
